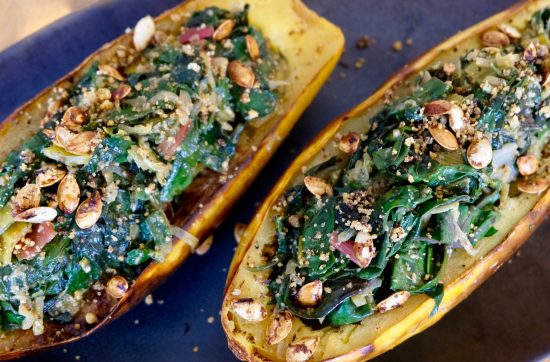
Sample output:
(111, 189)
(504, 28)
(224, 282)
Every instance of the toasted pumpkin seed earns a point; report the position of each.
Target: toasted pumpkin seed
(224, 30)
(205, 245)
(49, 175)
(437, 108)
(317, 186)
(509, 30)
(252, 47)
(533, 186)
(349, 143)
(111, 71)
(249, 309)
(143, 32)
(395, 300)
(36, 215)
(310, 294)
(443, 137)
(28, 197)
(527, 164)
(279, 327)
(62, 136)
(479, 153)
(302, 349)
(73, 118)
(117, 287)
(238, 231)
(83, 143)
(89, 211)
(68, 194)
(241, 74)
(494, 38)
(456, 118)
(121, 92)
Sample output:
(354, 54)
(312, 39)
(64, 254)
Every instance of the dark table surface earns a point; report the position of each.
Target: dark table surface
(508, 319)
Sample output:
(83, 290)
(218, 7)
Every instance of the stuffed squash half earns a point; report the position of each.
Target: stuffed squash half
(115, 174)
(403, 206)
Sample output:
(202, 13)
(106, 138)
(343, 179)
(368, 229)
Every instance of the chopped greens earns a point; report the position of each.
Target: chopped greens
(382, 218)
(87, 200)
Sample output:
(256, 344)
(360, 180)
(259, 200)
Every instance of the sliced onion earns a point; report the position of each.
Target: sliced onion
(503, 162)
(164, 96)
(180, 234)
(274, 84)
(195, 34)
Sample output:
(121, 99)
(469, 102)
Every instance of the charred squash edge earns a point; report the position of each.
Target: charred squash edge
(456, 291)
(201, 223)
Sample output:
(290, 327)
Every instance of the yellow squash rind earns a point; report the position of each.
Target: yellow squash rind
(380, 332)
(311, 46)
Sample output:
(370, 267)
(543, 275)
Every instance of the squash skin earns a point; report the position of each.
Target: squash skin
(331, 346)
(293, 29)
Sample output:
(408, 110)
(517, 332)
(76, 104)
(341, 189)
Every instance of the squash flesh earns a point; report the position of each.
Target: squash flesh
(464, 273)
(300, 35)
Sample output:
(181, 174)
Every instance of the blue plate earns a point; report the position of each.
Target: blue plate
(508, 319)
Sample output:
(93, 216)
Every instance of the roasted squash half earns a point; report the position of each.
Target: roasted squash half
(310, 46)
(248, 303)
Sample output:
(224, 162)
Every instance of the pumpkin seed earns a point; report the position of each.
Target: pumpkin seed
(143, 32)
(83, 143)
(28, 197)
(310, 294)
(527, 164)
(252, 47)
(238, 231)
(279, 327)
(36, 215)
(456, 118)
(249, 309)
(317, 186)
(479, 153)
(205, 245)
(224, 30)
(68, 194)
(73, 118)
(89, 211)
(349, 143)
(117, 287)
(395, 300)
(111, 72)
(443, 137)
(533, 186)
(121, 92)
(241, 74)
(437, 108)
(510, 30)
(494, 38)
(302, 349)
(62, 136)
(49, 175)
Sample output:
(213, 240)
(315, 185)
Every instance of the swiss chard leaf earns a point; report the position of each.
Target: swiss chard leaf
(314, 243)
